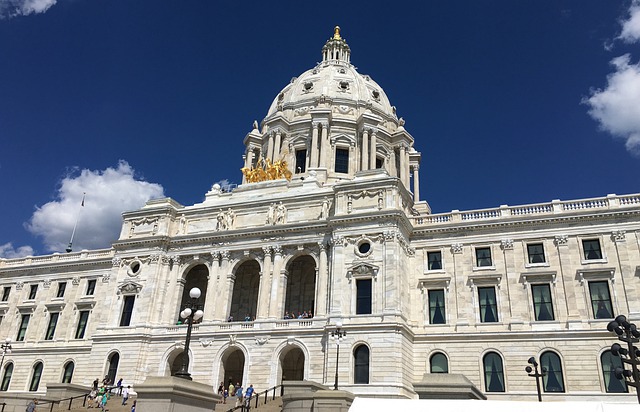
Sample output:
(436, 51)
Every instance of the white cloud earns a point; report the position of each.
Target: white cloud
(617, 106)
(9, 252)
(631, 26)
(13, 8)
(108, 193)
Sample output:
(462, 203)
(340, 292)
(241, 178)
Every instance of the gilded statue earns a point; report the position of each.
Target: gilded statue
(265, 170)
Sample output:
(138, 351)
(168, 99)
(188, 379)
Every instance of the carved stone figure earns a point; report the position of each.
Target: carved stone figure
(222, 221)
(281, 213)
(324, 211)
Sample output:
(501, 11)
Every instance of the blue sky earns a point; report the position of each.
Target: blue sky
(510, 102)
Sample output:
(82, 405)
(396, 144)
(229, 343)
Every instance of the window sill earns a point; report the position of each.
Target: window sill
(592, 261)
(481, 268)
(536, 265)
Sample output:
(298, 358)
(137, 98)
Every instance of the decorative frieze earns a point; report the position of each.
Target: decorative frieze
(618, 235)
(506, 244)
(561, 240)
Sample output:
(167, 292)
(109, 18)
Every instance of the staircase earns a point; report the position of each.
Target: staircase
(115, 405)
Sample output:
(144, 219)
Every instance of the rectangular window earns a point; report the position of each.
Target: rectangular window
(542, 306)
(301, 161)
(363, 298)
(33, 290)
(82, 324)
(483, 257)
(91, 286)
(600, 300)
(591, 249)
(23, 327)
(379, 163)
(488, 304)
(434, 260)
(536, 253)
(62, 286)
(51, 329)
(437, 314)
(127, 310)
(342, 160)
(5, 293)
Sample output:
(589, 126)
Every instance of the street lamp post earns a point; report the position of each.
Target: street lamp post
(190, 315)
(6, 348)
(536, 374)
(338, 335)
(628, 333)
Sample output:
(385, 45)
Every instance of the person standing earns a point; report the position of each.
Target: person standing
(248, 394)
(32, 406)
(119, 387)
(239, 396)
(125, 395)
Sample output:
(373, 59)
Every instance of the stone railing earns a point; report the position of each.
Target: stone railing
(554, 207)
(59, 258)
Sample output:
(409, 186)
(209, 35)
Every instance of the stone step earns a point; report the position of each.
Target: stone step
(115, 405)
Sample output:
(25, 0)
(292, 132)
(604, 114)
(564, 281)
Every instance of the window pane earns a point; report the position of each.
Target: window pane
(6, 378)
(35, 377)
(542, 306)
(493, 373)
(483, 257)
(439, 363)
(434, 260)
(437, 313)
(361, 373)
(68, 372)
(61, 288)
(363, 299)
(32, 291)
(552, 381)
(301, 161)
(24, 323)
(51, 329)
(127, 310)
(609, 365)
(600, 300)
(82, 324)
(342, 160)
(5, 293)
(91, 286)
(591, 249)
(536, 253)
(488, 304)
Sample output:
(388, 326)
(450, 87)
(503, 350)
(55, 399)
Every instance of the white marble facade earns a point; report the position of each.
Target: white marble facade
(349, 240)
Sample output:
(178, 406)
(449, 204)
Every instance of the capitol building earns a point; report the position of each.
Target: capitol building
(328, 227)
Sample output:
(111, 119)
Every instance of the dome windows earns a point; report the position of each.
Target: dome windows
(376, 95)
(307, 87)
(343, 86)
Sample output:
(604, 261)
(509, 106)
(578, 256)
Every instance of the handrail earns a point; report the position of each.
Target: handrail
(246, 403)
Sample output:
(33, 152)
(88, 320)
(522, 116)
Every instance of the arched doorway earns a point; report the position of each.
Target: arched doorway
(175, 363)
(197, 277)
(112, 367)
(233, 367)
(292, 364)
(244, 303)
(301, 286)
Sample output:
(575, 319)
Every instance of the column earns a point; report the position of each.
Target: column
(321, 281)
(403, 159)
(372, 164)
(406, 169)
(225, 287)
(416, 183)
(249, 161)
(324, 143)
(276, 148)
(275, 304)
(365, 150)
(270, 147)
(314, 146)
(212, 287)
(265, 283)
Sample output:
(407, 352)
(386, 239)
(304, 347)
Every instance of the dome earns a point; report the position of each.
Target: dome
(334, 79)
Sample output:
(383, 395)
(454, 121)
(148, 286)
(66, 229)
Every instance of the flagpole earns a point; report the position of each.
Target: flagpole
(69, 247)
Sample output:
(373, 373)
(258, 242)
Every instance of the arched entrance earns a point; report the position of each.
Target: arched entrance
(112, 367)
(233, 367)
(301, 286)
(244, 303)
(292, 365)
(175, 363)
(197, 277)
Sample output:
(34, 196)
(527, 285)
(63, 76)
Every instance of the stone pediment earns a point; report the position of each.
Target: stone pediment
(129, 288)
(362, 270)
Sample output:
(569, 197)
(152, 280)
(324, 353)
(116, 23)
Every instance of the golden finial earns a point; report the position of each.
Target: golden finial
(336, 33)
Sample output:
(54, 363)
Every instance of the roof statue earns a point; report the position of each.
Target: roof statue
(267, 170)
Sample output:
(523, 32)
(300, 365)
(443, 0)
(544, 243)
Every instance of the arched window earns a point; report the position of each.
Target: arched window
(6, 377)
(552, 381)
(68, 372)
(361, 364)
(36, 374)
(493, 372)
(439, 363)
(609, 365)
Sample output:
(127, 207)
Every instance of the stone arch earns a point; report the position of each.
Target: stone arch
(289, 347)
(194, 275)
(111, 365)
(246, 285)
(300, 296)
(68, 367)
(172, 360)
(233, 365)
